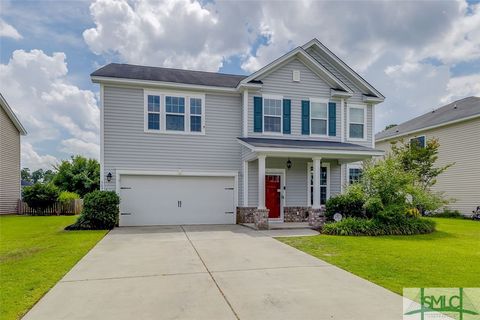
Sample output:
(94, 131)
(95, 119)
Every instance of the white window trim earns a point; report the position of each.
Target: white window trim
(163, 94)
(424, 140)
(273, 97)
(318, 100)
(352, 166)
(322, 164)
(365, 129)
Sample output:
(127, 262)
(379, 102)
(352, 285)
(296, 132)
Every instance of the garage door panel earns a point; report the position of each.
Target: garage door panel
(167, 200)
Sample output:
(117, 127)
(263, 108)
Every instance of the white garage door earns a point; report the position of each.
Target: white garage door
(167, 200)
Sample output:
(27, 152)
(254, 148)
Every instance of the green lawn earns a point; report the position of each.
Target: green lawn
(35, 253)
(449, 257)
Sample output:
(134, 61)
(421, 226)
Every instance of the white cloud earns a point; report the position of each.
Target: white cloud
(180, 33)
(460, 87)
(31, 159)
(406, 49)
(52, 109)
(8, 31)
(77, 146)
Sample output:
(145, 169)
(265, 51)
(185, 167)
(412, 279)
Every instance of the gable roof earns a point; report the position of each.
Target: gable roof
(308, 60)
(340, 64)
(12, 116)
(203, 78)
(460, 110)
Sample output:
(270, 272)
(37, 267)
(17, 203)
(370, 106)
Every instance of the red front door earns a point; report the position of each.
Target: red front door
(272, 195)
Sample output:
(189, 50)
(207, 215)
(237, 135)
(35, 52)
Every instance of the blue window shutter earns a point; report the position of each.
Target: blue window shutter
(257, 114)
(305, 117)
(332, 119)
(286, 116)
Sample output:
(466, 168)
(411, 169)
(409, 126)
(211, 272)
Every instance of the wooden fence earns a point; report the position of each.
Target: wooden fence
(74, 207)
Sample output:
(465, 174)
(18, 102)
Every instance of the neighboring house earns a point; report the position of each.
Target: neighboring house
(191, 147)
(10, 131)
(457, 126)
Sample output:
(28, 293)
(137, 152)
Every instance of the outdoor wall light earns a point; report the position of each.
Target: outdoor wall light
(289, 164)
(109, 177)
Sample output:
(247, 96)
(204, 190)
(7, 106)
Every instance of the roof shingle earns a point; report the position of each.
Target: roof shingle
(457, 110)
(203, 78)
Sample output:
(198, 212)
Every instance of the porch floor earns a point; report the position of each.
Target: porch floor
(282, 225)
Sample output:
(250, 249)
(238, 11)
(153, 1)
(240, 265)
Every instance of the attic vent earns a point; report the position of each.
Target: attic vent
(296, 75)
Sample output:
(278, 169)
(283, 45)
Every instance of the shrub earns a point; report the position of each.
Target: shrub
(65, 199)
(100, 211)
(349, 204)
(413, 213)
(40, 196)
(447, 213)
(374, 227)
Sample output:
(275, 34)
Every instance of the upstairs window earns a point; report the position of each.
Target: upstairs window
(195, 114)
(418, 142)
(318, 118)
(153, 112)
(272, 115)
(175, 113)
(357, 122)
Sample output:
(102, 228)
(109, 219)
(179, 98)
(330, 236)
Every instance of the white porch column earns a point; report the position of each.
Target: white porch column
(261, 181)
(316, 182)
(245, 183)
(245, 112)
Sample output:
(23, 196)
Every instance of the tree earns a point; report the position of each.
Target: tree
(25, 175)
(40, 196)
(420, 161)
(390, 126)
(79, 175)
(37, 175)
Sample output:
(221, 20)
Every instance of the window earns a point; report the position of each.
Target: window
(174, 113)
(354, 174)
(153, 112)
(195, 115)
(356, 122)
(272, 115)
(318, 118)
(418, 142)
(324, 185)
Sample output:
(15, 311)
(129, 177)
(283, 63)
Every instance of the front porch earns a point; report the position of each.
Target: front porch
(292, 184)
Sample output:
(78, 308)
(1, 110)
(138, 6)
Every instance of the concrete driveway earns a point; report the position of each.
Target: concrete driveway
(209, 272)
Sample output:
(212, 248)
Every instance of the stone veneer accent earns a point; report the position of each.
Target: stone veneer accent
(245, 214)
(260, 218)
(295, 214)
(316, 217)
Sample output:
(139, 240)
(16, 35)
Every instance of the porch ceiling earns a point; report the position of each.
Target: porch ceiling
(309, 148)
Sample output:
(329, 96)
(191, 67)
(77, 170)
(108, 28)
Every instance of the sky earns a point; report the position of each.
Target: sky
(419, 54)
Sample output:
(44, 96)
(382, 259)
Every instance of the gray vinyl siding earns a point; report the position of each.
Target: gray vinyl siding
(127, 146)
(357, 97)
(459, 144)
(280, 82)
(9, 164)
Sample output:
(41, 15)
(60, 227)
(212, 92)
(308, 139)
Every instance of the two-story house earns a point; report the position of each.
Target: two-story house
(191, 147)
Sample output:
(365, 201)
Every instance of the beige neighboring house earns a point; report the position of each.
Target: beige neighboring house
(10, 131)
(457, 126)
